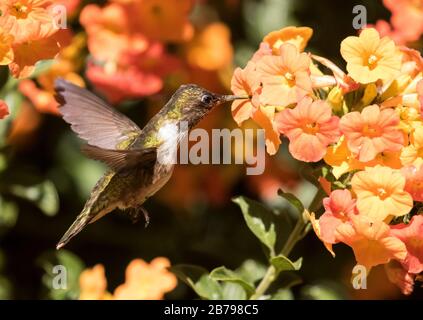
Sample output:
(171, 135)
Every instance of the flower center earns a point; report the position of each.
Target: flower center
(311, 128)
(372, 61)
(20, 10)
(382, 193)
(371, 132)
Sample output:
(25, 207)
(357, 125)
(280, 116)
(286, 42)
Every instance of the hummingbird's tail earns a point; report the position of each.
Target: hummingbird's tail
(84, 218)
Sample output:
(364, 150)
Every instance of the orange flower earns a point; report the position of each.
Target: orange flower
(165, 20)
(146, 281)
(412, 235)
(211, 48)
(407, 17)
(6, 51)
(400, 277)
(380, 193)
(35, 47)
(370, 58)
(340, 158)
(296, 36)
(372, 131)
(245, 82)
(419, 89)
(264, 117)
(371, 241)
(414, 181)
(316, 228)
(285, 78)
(4, 109)
(413, 153)
(338, 207)
(19, 16)
(93, 284)
(310, 128)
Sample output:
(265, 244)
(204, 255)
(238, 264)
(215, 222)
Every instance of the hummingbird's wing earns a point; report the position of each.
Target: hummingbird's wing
(119, 159)
(93, 119)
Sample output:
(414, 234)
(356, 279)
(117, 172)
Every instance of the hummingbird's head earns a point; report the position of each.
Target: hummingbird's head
(195, 102)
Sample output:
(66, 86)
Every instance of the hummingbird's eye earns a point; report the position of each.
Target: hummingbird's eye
(206, 99)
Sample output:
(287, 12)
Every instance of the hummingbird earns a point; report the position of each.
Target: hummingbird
(134, 172)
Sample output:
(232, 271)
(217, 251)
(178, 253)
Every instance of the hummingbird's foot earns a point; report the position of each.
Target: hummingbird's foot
(135, 215)
(146, 217)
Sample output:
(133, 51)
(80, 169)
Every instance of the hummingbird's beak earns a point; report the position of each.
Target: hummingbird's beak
(227, 98)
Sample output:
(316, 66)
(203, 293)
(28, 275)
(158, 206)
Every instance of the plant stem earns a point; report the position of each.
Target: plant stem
(294, 237)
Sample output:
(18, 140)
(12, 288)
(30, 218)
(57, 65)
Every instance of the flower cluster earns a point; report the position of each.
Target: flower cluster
(143, 281)
(364, 126)
(29, 32)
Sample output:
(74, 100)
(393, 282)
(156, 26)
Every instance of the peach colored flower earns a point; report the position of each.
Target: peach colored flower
(211, 48)
(19, 16)
(316, 228)
(93, 284)
(412, 235)
(146, 281)
(371, 241)
(380, 193)
(35, 47)
(372, 131)
(310, 128)
(413, 181)
(370, 58)
(4, 109)
(338, 207)
(400, 277)
(413, 153)
(340, 158)
(419, 89)
(407, 17)
(6, 51)
(296, 36)
(265, 118)
(285, 78)
(245, 82)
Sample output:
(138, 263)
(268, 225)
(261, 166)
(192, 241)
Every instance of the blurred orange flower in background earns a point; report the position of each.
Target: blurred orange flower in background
(143, 281)
(211, 48)
(93, 284)
(4, 109)
(146, 281)
(6, 51)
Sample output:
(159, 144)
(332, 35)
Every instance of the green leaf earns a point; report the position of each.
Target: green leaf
(260, 220)
(282, 263)
(251, 270)
(233, 291)
(293, 200)
(323, 291)
(44, 195)
(73, 266)
(224, 274)
(283, 294)
(8, 213)
(198, 279)
(41, 67)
